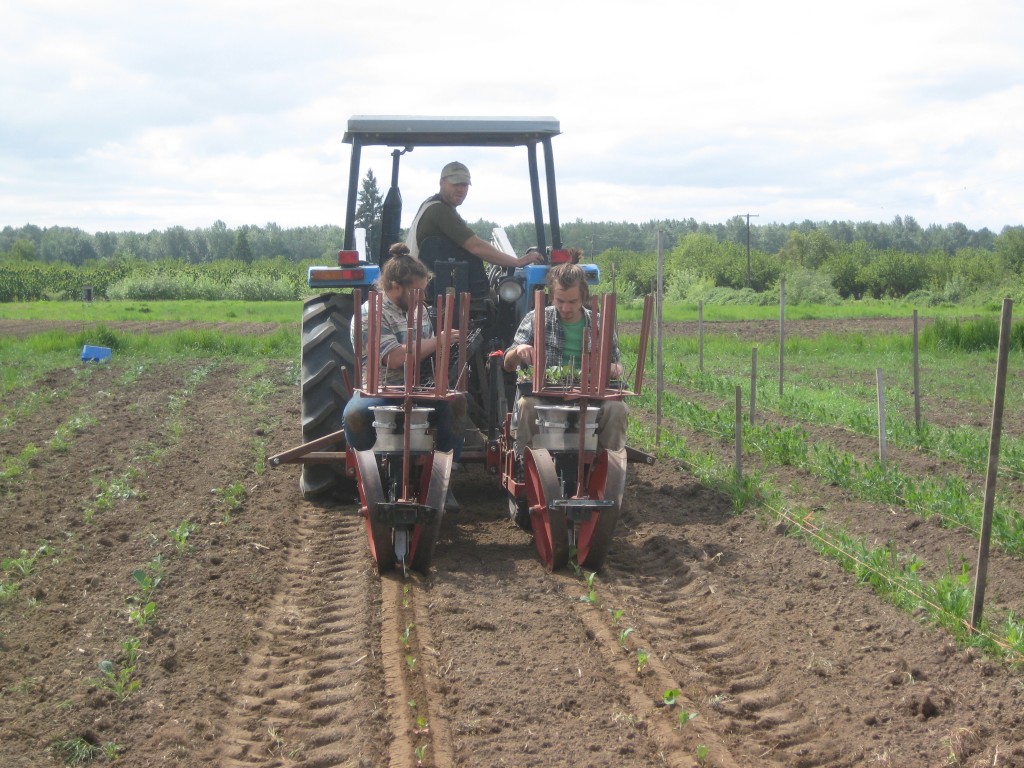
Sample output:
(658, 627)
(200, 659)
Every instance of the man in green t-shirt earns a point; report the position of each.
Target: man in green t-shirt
(565, 322)
(439, 232)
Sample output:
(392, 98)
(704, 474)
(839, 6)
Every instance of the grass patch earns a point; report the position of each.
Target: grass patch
(155, 311)
(679, 312)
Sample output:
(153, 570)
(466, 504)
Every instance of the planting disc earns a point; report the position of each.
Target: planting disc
(549, 528)
(608, 482)
(372, 493)
(519, 512)
(425, 536)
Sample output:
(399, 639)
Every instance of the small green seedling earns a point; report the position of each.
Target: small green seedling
(421, 728)
(671, 696)
(410, 661)
(116, 679)
(617, 614)
(412, 703)
(573, 564)
(405, 635)
(181, 534)
(149, 578)
(591, 596)
(624, 634)
(702, 753)
(24, 565)
(130, 649)
(233, 495)
(421, 753)
(112, 751)
(685, 717)
(641, 660)
(143, 613)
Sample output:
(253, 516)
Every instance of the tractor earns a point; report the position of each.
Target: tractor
(488, 318)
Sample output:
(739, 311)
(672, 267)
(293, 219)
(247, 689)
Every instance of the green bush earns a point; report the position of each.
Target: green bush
(808, 286)
(250, 287)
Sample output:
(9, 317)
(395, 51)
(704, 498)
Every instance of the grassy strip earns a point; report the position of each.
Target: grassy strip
(679, 312)
(956, 504)
(946, 602)
(851, 359)
(56, 347)
(155, 311)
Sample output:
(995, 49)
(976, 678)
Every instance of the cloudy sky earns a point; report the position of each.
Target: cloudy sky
(140, 115)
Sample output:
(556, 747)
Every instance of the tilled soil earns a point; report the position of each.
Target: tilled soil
(275, 642)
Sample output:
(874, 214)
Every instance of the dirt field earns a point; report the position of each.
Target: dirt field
(275, 643)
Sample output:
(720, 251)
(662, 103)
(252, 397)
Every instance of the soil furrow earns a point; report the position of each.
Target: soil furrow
(309, 694)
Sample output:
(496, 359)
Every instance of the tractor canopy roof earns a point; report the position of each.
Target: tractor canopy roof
(420, 131)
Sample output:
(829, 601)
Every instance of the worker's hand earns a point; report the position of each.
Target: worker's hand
(531, 257)
(617, 370)
(453, 336)
(524, 354)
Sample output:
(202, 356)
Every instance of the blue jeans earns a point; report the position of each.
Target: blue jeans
(446, 420)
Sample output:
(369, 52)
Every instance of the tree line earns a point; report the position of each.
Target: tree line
(195, 246)
(830, 260)
(252, 242)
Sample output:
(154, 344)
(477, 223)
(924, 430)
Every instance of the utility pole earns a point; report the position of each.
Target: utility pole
(748, 215)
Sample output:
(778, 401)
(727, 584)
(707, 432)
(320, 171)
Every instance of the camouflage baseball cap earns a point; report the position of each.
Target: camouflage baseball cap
(456, 173)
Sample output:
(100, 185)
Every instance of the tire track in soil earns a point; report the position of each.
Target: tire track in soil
(694, 627)
(491, 606)
(752, 709)
(646, 694)
(311, 693)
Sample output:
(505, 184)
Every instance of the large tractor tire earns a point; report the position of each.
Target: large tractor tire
(326, 352)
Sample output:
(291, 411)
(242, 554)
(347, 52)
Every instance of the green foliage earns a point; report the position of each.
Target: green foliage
(149, 577)
(369, 204)
(75, 750)
(181, 534)
(967, 336)
(117, 678)
(895, 274)
(241, 250)
(808, 286)
(895, 259)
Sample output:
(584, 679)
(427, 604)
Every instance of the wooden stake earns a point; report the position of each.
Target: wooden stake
(981, 572)
(661, 335)
(753, 385)
(782, 331)
(883, 450)
(700, 336)
(739, 433)
(917, 380)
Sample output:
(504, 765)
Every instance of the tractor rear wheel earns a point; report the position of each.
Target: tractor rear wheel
(326, 353)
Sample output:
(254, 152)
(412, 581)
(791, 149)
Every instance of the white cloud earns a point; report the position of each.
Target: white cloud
(135, 115)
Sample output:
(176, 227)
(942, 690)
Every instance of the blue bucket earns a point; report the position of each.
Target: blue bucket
(91, 354)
